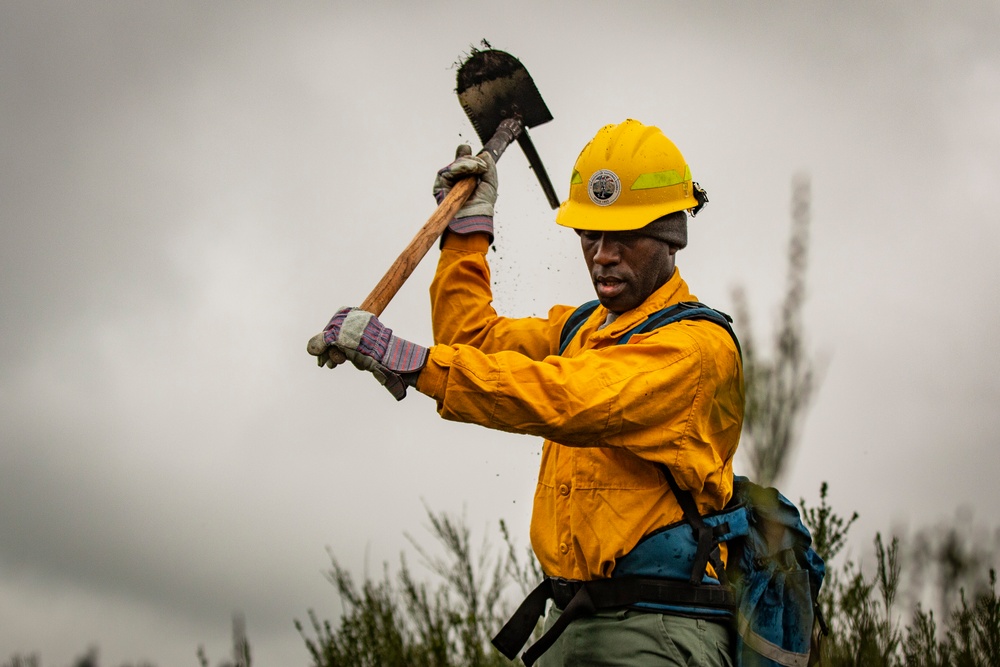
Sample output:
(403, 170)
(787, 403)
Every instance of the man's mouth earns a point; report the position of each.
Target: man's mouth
(609, 287)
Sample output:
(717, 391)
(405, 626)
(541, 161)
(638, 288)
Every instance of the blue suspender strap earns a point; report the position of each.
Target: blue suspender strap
(707, 536)
(575, 321)
(685, 310)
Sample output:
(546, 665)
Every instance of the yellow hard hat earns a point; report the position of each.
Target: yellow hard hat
(627, 176)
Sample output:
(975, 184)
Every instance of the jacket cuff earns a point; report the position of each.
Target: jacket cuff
(433, 379)
(475, 242)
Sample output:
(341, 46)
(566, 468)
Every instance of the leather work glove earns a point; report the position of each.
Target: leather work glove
(370, 346)
(477, 213)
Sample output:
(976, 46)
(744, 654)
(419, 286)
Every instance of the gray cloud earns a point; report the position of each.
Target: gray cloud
(188, 192)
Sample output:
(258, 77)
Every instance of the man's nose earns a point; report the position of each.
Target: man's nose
(608, 251)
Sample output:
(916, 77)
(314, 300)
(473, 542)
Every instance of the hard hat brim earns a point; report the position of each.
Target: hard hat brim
(575, 215)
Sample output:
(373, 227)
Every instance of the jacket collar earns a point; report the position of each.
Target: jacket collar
(673, 291)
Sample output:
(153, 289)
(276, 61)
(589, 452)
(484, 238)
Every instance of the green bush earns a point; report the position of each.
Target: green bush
(405, 622)
(867, 627)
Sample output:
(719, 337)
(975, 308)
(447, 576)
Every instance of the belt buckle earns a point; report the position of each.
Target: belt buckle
(563, 590)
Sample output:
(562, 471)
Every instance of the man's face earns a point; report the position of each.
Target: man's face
(626, 267)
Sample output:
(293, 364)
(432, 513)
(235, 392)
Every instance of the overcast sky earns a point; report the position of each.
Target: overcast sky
(188, 191)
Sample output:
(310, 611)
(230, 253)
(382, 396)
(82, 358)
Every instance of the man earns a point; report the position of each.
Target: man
(615, 416)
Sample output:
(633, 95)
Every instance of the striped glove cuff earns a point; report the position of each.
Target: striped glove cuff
(371, 346)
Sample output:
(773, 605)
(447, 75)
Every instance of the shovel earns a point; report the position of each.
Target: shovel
(502, 102)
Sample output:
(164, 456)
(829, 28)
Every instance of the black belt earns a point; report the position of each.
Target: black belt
(581, 598)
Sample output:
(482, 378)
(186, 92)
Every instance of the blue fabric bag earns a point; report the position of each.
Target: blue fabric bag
(777, 578)
(772, 569)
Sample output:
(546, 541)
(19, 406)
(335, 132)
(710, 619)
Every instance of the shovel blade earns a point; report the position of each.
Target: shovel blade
(494, 85)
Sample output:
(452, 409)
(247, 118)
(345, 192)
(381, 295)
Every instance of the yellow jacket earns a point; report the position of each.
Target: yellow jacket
(607, 412)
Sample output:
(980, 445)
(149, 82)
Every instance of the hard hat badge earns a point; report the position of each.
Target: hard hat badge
(604, 187)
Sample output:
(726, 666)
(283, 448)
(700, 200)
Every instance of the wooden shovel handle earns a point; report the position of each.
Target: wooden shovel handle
(407, 261)
(428, 235)
(403, 267)
(509, 130)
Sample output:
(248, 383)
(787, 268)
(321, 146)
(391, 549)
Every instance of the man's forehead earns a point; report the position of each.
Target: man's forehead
(621, 236)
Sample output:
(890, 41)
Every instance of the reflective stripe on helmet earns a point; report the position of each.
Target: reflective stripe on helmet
(661, 179)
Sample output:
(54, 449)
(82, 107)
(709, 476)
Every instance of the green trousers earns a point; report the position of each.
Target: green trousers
(625, 638)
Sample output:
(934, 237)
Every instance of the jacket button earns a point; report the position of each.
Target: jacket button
(564, 548)
(564, 490)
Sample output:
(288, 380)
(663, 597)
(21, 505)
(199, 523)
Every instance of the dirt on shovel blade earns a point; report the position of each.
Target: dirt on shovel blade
(485, 66)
